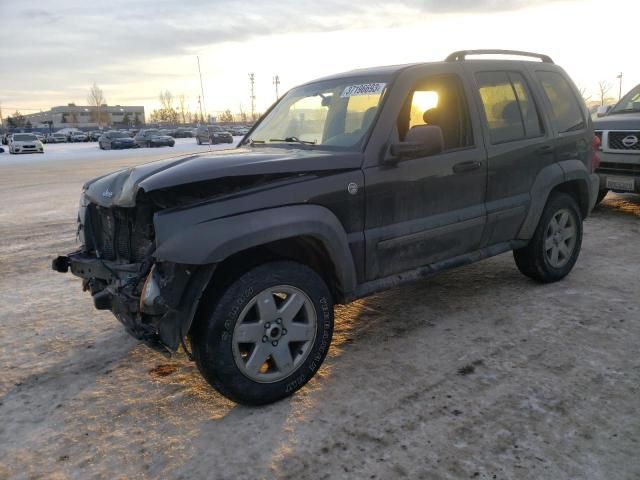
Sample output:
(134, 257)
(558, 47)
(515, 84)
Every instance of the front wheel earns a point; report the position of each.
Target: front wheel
(267, 333)
(555, 246)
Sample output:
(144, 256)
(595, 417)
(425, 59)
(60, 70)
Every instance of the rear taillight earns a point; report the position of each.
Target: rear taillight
(595, 158)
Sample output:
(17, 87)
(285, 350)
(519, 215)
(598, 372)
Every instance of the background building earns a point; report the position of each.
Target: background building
(77, 116)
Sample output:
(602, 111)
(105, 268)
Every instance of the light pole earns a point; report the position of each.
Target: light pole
(619, 77)
(201, 90)
(276, 82)
(252, 79)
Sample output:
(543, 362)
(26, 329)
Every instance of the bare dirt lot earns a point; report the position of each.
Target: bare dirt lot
(477, 373)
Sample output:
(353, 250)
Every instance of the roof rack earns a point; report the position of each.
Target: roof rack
(461, 54)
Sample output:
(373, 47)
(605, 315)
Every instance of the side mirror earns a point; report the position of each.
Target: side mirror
(421, 141)
(603, 110)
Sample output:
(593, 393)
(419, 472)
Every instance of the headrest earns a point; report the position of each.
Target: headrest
(431, 116)
(368, 117)
(511, 113)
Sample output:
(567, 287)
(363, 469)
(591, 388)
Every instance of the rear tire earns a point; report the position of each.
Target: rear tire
(555, 246)
(601, 195)
(266, 334)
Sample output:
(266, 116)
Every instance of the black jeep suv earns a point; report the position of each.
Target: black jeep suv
(347, 186)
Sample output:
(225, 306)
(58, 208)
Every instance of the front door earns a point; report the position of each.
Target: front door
(427, 209)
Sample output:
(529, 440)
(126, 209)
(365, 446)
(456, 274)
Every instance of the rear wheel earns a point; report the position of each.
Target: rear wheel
(266, 334)
(555, 246)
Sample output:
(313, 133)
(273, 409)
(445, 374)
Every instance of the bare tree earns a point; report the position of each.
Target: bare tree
(583, 94)
(96, 100)
(184, 110)
(166, 113)
(604, 87)
(166, 100)
(226, 116)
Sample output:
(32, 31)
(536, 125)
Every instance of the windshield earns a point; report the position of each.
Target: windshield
(629, 103)
(21, 137)
(118, 135)
(334, 113)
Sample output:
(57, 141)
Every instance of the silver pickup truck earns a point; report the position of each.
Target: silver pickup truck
(619, 133)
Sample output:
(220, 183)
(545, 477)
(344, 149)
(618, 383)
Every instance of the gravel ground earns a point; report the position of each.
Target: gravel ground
(477, 373)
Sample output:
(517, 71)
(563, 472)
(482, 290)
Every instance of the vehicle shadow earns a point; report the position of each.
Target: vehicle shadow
(623, 204)
(119, 395)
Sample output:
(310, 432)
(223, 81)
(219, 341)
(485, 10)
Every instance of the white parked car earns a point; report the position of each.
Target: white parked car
(57, 138)
(78, 137)
(25, 143)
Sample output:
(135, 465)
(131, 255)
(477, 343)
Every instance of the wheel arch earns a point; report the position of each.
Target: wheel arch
(309, 234)
(569, 177)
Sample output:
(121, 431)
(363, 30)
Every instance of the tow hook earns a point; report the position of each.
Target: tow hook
(61, 264)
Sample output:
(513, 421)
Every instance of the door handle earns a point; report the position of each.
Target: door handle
(545, 150)
(466, 166)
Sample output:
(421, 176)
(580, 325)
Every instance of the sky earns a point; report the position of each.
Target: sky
(51, 51)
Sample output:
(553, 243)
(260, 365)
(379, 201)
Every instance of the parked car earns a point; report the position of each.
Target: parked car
(114, 140)
(5, 138)
(183, 132)
(619, 132)
(25, 143)
(153, 138)
(57, 138)
(213, 134)
(78, 137)
(391, 175)
(94, 135)
(39, 136)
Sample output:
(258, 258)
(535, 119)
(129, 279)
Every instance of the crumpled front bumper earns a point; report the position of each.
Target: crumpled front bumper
(156, 303)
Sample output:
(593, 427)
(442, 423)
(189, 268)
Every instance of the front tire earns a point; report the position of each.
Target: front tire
(555, 246)
(266, 334)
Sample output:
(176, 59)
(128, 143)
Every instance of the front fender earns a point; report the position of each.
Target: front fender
(215, 240)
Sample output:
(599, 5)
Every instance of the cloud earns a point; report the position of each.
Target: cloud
(49, 45)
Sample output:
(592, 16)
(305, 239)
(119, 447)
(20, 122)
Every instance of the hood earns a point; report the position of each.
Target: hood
(121, 188)
(618, 121)
(161, 137)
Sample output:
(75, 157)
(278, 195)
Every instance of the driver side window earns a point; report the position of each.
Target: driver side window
(438, 101)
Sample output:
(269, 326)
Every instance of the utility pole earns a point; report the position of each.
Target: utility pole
(200, 106)
(619, 77)
(276, 82)
(201, 90)
(252, 80)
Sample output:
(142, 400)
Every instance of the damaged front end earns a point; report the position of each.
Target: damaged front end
(155, 301)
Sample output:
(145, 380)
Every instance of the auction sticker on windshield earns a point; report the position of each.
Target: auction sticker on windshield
(363, 89)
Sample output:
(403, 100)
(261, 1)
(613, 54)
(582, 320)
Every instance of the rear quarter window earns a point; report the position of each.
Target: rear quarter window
(566, 111)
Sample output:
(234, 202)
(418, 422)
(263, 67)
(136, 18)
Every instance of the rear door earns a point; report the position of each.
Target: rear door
(518, 140)
(569, 119)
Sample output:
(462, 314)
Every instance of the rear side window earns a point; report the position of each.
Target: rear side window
(565, 109)
(532, 125)
(508, 106)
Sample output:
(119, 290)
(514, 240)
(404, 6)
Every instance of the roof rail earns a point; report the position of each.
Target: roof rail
(461, 54)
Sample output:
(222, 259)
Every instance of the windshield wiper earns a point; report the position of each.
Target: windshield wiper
(292, 140)
(251, 141)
